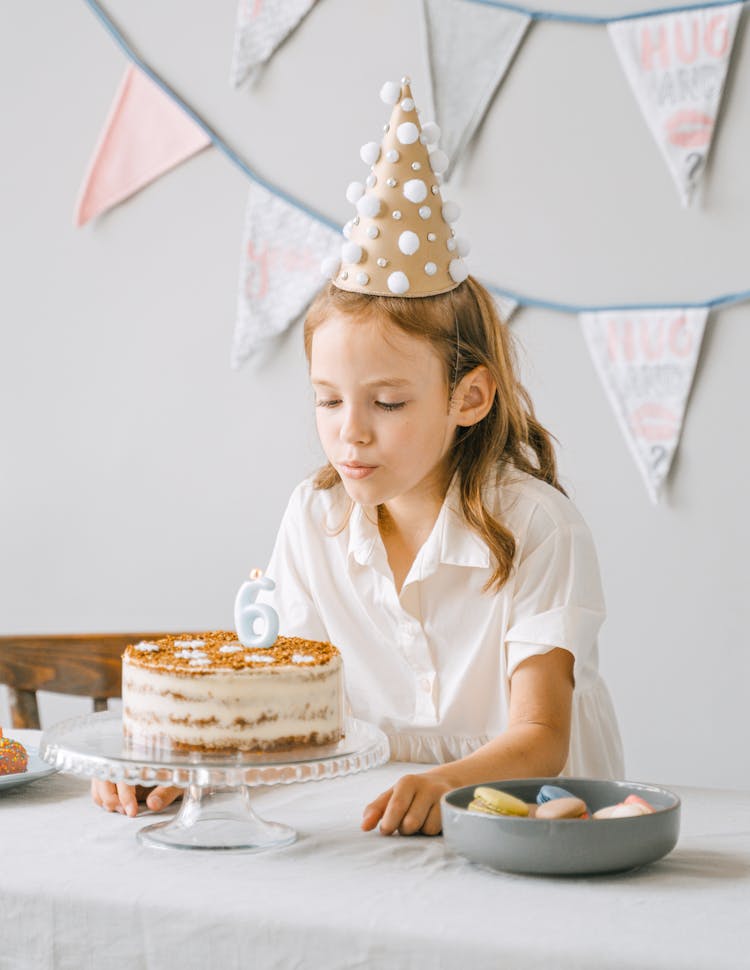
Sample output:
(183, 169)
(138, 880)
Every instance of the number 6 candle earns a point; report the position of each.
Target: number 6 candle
(247, 611)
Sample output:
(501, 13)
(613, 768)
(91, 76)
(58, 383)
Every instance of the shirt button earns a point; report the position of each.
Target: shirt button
(424, 685)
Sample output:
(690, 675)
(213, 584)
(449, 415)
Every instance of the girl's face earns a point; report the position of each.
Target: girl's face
(382, 409)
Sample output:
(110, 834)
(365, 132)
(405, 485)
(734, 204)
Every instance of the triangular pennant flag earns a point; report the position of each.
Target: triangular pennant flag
(282, 250)
(145, 135)
(261, 27)
(469, 48)
(676, 65)
(646, 360)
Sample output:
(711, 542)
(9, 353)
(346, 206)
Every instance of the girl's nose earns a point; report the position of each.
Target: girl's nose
(354, 429)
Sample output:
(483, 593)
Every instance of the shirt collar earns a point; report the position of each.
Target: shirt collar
(451, 541)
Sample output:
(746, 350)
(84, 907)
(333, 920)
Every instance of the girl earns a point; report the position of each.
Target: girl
(436, 549)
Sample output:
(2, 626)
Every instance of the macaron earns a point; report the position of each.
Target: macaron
(547, 792)
(637, 800)
(496, 802)
(625, 810)
(557, 808)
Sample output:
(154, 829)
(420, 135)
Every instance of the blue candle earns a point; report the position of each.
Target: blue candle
(247, 612)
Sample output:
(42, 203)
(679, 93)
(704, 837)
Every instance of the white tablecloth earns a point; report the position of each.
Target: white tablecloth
(78, 891)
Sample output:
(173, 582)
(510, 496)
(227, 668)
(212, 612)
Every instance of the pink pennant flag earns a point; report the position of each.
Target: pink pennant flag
(145, 135)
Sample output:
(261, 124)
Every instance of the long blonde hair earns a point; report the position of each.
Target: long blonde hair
(464, 329)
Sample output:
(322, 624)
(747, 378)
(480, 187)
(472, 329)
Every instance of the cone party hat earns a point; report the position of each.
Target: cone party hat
(401, 241)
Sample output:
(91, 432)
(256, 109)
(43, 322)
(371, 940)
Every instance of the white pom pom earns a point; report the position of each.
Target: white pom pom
(439, 161)
(370, 152)
(463, 246)
(398, 283)
(430, 269)
(351, 252)
(407, 104)
(430, 133)
(415, 190)
(354, 192)
(369, 206)
(330, 266)
(390, 92)
(392, 155)
(451, 244)
(363, 279)
(451, 211)
(347, 230)
(425, 212)
(408, 242)
(407, 133)
(457, 270)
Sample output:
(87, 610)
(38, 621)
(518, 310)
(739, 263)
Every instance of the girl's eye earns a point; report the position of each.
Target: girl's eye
(391, 407)
(327, 404)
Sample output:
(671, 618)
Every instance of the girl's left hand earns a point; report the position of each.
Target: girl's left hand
(412, 806)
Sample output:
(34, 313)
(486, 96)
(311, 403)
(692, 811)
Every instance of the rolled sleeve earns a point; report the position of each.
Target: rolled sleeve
(557, 599)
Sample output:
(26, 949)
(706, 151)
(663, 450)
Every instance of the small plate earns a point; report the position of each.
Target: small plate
(36, 769)
(563, 847)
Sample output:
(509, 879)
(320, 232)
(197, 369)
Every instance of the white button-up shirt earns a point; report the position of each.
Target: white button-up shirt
(431, 665)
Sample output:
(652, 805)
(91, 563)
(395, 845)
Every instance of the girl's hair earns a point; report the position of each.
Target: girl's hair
(464, 329)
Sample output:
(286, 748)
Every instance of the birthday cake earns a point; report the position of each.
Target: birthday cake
(207, 692)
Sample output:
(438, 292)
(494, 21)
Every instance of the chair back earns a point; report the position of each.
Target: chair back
(88, 665)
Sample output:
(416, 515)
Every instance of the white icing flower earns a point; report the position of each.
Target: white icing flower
(146, 645)
(190, 643)
(398, 283)
(259, 658)
(302, 658)
(407, 133)
(408, 242)
(230, 648)
(199, 661)
(415, 190)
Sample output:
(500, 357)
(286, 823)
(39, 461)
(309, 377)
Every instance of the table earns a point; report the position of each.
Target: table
(77, 891)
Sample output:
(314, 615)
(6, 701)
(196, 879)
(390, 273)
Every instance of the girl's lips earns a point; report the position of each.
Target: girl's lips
(356, 470)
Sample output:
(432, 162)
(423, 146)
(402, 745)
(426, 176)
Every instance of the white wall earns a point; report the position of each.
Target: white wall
(141, 478)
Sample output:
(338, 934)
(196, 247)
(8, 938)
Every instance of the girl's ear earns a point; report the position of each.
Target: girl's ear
(473, 397)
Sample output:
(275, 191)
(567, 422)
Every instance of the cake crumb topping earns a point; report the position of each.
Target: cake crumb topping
(218, 652)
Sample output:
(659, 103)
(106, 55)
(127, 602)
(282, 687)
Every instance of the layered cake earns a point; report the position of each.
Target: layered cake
(207, 692)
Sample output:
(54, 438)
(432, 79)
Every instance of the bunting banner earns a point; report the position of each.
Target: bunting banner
(469, 48)
(144, 136)
(646, 361)
(261, 27)
(676, 65)
(282, 250)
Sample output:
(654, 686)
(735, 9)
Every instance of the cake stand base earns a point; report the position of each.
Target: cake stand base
(217, 818)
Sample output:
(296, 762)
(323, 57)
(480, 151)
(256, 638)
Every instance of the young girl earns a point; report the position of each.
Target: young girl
(437, 549)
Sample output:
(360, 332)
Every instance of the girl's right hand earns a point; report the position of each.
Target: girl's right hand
(124, 798)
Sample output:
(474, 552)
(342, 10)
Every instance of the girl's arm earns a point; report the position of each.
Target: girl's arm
(535, 743)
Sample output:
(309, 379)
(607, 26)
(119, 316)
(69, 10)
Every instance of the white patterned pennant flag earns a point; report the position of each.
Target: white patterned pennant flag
(280, 272)
(469, 47)
(676, 65)
(646, 360)
(261, 27)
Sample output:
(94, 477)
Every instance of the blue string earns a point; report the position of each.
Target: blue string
(274, 190)
(218, 142)
(574, 18)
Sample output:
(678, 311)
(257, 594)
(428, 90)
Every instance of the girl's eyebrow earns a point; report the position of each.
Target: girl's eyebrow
(378, 382)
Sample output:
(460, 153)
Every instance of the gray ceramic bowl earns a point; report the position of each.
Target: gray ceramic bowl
(563, 847)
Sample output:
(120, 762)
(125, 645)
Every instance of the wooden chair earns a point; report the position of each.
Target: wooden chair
(87, 666)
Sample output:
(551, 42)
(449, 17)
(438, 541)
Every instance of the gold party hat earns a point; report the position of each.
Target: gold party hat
(401, 241)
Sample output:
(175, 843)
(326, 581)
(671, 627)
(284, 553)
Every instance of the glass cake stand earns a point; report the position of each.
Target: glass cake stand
(216, 812)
